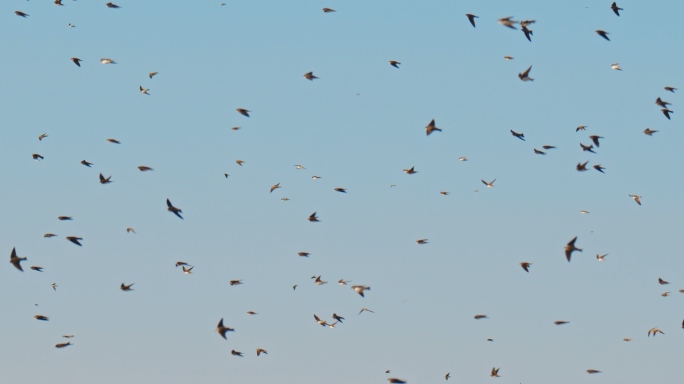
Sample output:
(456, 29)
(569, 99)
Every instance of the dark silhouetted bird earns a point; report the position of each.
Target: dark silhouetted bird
(173, 209)
(471, 18)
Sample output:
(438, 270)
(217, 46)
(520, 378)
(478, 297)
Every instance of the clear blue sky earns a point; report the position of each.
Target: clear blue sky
(357, 126)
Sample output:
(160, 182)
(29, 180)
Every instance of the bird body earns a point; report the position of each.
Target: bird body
(126, 287)
(360, 289)
(471, 18)
(525, 75)
(16, 260)
(570, 248)
(431, 128)
(222, 329)
(171, 208)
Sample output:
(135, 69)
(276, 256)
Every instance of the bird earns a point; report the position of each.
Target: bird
(570, 247)
(314, 177)
(104, 180)
(63, 345)
(299, 166)
(152, 74)
(303, 254)
(75, 240)
(113, 141)
(495, 372)
(616, 66)
(337, 318)
(394, 380)
(525, 76)
(480, 317)
(364, 309)
(654, 331)
(70, 25)
(318, 281)
(327, 10)
(446, 377)
(636, 198)
(16, 260)
(665, 294)
(143, 90)
(627, 339)
(243, 111)
(394, 63)
(462, 158)
(87, 164)
(341, 190)
(41, 317)
(538, 152)
(112, 5)
(173, 209)
(294, 287)
(603, 34)
(548, 147)
(42, 136)
(560, 322)
(584, 212)
(319, 321)
(22, 14)
(126, 288)
(187, 271)
(64, 218)
(181, 263)
(259, 351)
(666, 112)
(581, 128)
(670, 89)
(662, 102)
(662, 282)
(310, 76)
(422, 241)
(236, 353)
(595, 139)
(599, 168)
(507, 22)
(275, 186)
(144, 168)
(54, 286)
(37, 268)
(235, 282)
(591, 371)
(615, 8)
(48, 235)
(488, 184)
(444, 193)
(471, 18)
(313, 218)
(526, 31)
(251, 313)
(588, 148)
(222, 329)
(37, 157)
(431, 128)
(526, 266)
(107, 61)
(343, 281)
(519, 135)
(284, 199)
(410, 171)
(68, 336)
(601, 257)
(76, 61)
(582, 166)
(360, 289)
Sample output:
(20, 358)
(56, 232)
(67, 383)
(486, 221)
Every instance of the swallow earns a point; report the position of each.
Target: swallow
(480, 317)
(318, 281)
(662, 282)
(341, 190)
(603, 34)
(130, 230)
(303, 254)
(615, 8)
(63, 345)
(601, 257)
(337, 317)
(591, 371)
(394, 380)
(41, 317)
(37, 268)
(294, 287)
(41, 137)
(360, 289)
(48, 235)
(595, 139)
(570, 247)
(507, 22)
(588, 148)
(665, 294)
(526, 31)
(144, 90)
(22, 14)
(87, 164)
(235, 282)
(316, 177)
(422, 241)
(444, 193)
(343, 281)
(221, 329)
(70, 25)
(488, 184)
(582, 166)
(284, 199)
(431, 128)
(654, 331)
(16, 260)
(327, 10)
(394, 63)
(187, 271)
(495, 372)
(75, 240)
(525, 76)
(670, 89)
(112, 5)
(627, 339)
(410, 171)
(584, 212)
(560, 322)
(447, 376)
(54, 286)
(519, 135)
(364, 309)
(251, 313)
(526, 266)
(144, 168)
(662, 102)
(68, 336)
(649, 132)
(581, 128)
(243, 111)
(37, 157)
(548, 147)
(181, 263)
(236, 353)
(636, 198)
(173, 209)
(259, 351)
(126, 288)
(64, 218)
(615, 66)
(275, 186)
(599, 168)
(107, 61)
(113, 141)
(319, 321)
(310, 76)
(538, 152)
(76, 61)
(104, 180)
(312, 218)
(471, 18)
(508, 57)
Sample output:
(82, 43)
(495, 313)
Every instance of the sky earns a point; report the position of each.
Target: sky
(356, 126)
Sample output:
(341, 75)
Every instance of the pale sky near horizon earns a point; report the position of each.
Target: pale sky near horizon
(357, 127)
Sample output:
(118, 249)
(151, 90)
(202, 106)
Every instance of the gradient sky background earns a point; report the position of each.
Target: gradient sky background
(357, 127)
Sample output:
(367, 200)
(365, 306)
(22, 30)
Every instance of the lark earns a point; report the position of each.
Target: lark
(319, 321)
(63, 345)
(587, 148)
(318, 281)
(662, 102)
(42, 136)
(662, 282)
(313, 218)
(259, 351)
(615, 66)
(144, 90)
(337, 318)
(654, 331)
(601, 257)
(592, 371)
(275, 186)
(186, 270)
(152, 74)
(495, 372)
(106, 61)
(649, 132)
(570, 248)
(236, 282)
(37, 268)
(364, 309)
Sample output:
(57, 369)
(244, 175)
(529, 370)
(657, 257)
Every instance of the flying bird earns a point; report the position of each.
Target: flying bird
(341, 190)
(318, 281)
(41, 317)
(431, 128)
(259, 351)
(37, 157)
(662, 102)
(526, 266)
(37, 268)
(364, 309)
(471, 18)
(16, 260)
(488, 184)
(173, 209)
(360, 289)
(447, 376)
(599, 168)
(670, 89)
(104, 180)
(615, 8)
(507, 22)
(181, 263)
(126, 288)
(410, 171)
(603, 34)
(480, 317)
(394, 380)
(666, 112)
(112, 5)
(601, 257)
(75, 240)
(570, 247)
(519, 135)
(581, 128)
(151, 74)
(144, 168)
(221, 329)
(42, 136)
(107, 61)
(526, 31)
(327, 10)
(595, 139)
(662, 282)
(538, 152)
(525, 76)
(303, 254)
(243, 111)
(591, 371)
(444, 193)
(310, 76)
(548, 147)
(654, 331)
(636, 198)
(394, 63)
(343, 281)
(236, 282)
(22, 14)
(113, 141)
(560, 322)
(144, 90)
(54, 286)
(495, 372)
(616, 66)
(313, 218)
(76, 61)
(508, 57)
(319, 321)
(87, 164)
(186, 270)
(64, 218)
(236, 353)
(130, 230)
(422, 241)
(275, 186)
(582, 166)
(337, 318)
(48, 235)
(63, 345)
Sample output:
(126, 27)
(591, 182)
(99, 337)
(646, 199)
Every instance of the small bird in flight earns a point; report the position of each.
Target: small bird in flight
(87, 164)
(126, 288)
(670, 89)
(662, 282)
(599, 168)
(603, 34)
(666, 112)
(275, 186)
(310, 76)
(76, 61)
(507, 22)
(313, 218)
(488, 184)
(421, 241)
(526, 266)
(173, 209)
(495, 372)
(480, 317)
(41, 137)
(112, 5)
(525, 76)
(615, 8)
(601, 257)
(105, 180)
(582, 166)
(431, 128)
(113, 141)
(37, 268)
(144, 91)
(327, 10)
(519, 135)
(144, 168)
(243, 111)
(107, 61)
(37, 157)
(151, 74)
(222, 329)
(654, 331)
(360, 289)
(341, 190)
(75, 240)
(636, 198)
(471, 18)
(16, 260)
(616, 66)
(410, 171)
(259, 351)
(570, 247)
(22, 14)
(394, 63)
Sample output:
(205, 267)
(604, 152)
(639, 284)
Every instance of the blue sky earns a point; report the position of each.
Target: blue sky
(357, 126)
